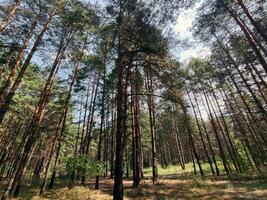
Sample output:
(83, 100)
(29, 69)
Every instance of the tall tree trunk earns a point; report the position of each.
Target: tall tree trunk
(100, 141)
(60, 133)
(7, 101)
(83, 135)
(106, 141)
(214, 127)
(14, 68)
(249, 36)
(77, 137)
(191, 140)
(10, 12)
(239, 126)
(251, 117)
(179, 144)
(259, 86)
(221, 129)
(151, 109)
(91, 115)
(227, 131)
(255, 24)
(207, 136)
(113, 124)
(33, 128)
(121, 115)
(47, 167)
(249, 124)
(201, 134)
(134, 152)
(5, 148)
(256, 100)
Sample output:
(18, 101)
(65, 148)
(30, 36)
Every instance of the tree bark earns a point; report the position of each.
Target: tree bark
(224, 161)
(249, 36)
(201, 134)
(151, 109)
(10, 12)
(32, 130)
(100, 141)
(255, 24)
(14, 68)
(121, 115)
(7, 101)
(190, 137)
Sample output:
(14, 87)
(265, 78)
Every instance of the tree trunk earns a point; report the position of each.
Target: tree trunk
(113, 117)
(224, 161)
(151, 109)
(121, 115)
(10, 12)
(99, 151)
(5, 104)
(32, 130)
(43, 186)
(252, 20)
(62, 121)
(201, 134)
(221, 130)
(249, 37)
(14, 68)
(77, 137)
(190, 136)
(256, 100)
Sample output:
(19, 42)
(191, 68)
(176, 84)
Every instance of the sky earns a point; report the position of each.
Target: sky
(190, 47)
(183, 29)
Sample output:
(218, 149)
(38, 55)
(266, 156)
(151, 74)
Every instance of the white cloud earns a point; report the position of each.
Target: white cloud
(189, 47)
(183, 24)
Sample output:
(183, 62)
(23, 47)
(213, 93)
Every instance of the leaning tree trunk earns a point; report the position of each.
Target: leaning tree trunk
(201, 134)
(77, 138)
(224, 161)
(190, 136)
(255, 98)
(7, 101)
(33, 128)
(10, 12)
(14, 68)
(249, 37)
(239, 127)
(207, 135)
(221, 130)
(62, 121)
(255, 24)
(91, 116)
(47, 167)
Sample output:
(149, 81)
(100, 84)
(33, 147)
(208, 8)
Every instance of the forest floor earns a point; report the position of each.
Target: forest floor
(169, 186)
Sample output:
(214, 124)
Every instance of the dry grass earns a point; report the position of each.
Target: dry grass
(209, 188)
(169, 186)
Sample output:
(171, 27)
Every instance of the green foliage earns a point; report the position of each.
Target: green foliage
(84, 165)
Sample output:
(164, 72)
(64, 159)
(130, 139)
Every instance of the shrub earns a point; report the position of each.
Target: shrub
(84, 165)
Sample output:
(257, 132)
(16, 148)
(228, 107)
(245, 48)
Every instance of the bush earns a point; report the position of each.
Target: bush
(84, 165)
